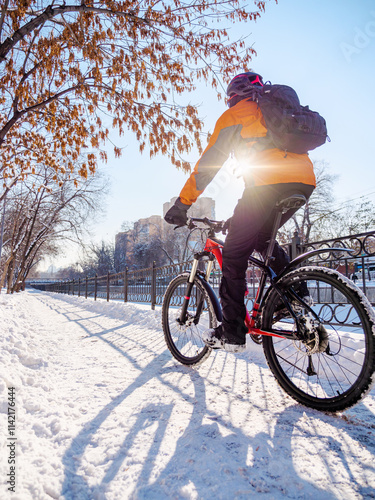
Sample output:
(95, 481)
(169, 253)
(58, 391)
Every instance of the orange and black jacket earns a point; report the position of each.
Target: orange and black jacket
(237, 130)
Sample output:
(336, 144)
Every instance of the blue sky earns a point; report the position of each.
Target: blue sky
(325, 50)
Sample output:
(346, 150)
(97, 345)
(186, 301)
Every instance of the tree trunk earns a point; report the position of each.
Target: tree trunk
(5, 271)
(10, 276)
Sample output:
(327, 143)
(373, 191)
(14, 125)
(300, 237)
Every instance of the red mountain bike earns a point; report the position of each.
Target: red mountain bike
(322, 353)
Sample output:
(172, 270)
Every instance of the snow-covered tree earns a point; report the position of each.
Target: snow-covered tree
(40, 214)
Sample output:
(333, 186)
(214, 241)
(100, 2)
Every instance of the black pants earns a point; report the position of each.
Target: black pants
(250, 229)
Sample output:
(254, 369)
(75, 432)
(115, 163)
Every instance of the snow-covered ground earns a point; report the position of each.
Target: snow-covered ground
(104, 412)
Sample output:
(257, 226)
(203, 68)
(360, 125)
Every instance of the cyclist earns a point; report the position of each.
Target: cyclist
(269, 175)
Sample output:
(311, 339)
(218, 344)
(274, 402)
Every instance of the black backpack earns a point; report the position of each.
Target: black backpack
(290, 126)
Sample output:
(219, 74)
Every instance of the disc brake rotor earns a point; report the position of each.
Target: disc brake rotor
(316, 337)
(189, 321)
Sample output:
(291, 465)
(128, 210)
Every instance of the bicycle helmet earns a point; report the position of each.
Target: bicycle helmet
(241, 86)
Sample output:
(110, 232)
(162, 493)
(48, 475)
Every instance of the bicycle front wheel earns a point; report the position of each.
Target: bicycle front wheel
(331, 366)
(184, 339)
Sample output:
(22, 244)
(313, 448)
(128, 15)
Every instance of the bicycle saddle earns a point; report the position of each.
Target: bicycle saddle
(294, 201)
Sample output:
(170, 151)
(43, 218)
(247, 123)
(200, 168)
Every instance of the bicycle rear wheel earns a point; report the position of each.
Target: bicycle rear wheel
(184, 340)
(331, 368)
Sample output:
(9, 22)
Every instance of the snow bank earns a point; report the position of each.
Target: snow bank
(104, 412)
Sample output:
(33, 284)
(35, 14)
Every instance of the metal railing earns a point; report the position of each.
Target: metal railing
(142, 285)
(358, 265)
(149, 285)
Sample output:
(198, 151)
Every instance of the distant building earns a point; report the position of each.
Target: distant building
(143, 231)
(148, 228)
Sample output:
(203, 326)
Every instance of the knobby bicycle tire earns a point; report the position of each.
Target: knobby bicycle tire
(184, 341)
(333, 368)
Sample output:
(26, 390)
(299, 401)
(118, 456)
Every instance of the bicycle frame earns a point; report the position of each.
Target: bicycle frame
(213, 250)
(215, 246)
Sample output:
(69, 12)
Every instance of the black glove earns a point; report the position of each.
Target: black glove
(177, 214)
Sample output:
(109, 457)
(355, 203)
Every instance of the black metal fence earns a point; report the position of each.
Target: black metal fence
(142, 285)
(358, 265)
(149, 285)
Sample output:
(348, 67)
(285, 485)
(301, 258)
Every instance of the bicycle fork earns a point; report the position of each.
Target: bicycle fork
(189, 287)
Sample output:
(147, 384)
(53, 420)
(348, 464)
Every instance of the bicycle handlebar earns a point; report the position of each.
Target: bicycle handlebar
(215, 225)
